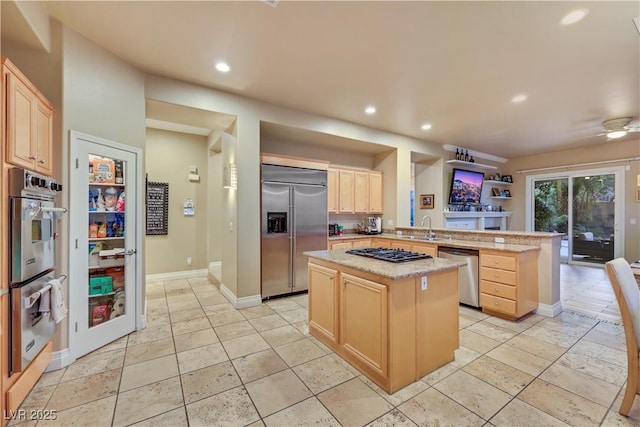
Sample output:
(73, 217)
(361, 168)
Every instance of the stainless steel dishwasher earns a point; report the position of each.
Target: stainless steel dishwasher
(467, 276)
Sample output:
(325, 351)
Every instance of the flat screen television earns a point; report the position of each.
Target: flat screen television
(466, 187)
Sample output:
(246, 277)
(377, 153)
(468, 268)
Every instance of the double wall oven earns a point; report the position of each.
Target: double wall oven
(32, 247)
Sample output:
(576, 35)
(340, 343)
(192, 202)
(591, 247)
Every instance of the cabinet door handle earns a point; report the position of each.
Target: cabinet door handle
(32, 157)
(41, 162)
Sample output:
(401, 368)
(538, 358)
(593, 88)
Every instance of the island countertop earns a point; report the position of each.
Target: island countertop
(456, 243)
(389, 270)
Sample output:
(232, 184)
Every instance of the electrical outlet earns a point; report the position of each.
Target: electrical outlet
(423, 281)
(632, 221)
(499, 239)
(189, 261)
(390, 222)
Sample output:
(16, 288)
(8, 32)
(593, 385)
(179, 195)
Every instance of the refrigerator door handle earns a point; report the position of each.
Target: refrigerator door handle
(292, 252)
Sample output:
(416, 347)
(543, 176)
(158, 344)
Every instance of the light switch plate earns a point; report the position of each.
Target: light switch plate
(423, 281)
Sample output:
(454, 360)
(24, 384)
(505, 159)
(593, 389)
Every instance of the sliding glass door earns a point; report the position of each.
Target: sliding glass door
(586, 205)
(551, 209)
(594, 218)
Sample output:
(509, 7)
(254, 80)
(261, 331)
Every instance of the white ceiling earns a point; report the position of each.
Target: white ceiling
(453, 64)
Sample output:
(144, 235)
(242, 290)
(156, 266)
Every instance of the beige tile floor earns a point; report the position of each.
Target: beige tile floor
(200, 362)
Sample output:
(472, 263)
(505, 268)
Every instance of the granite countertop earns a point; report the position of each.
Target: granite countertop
(386, 269)
(455, 243)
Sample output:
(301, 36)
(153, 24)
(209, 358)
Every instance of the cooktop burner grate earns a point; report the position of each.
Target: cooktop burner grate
(391, 255)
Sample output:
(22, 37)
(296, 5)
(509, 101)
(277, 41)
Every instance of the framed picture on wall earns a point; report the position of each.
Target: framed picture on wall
(426, 201)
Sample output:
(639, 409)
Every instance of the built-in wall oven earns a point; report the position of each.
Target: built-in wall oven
(32, 218)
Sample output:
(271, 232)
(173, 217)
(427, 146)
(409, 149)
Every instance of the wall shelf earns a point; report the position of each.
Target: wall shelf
(490, 181)
(499, 197)
(470, 164)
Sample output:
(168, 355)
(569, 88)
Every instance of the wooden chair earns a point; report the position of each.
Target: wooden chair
(628, 296)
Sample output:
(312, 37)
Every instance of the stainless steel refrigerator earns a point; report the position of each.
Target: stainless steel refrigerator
(294, 220)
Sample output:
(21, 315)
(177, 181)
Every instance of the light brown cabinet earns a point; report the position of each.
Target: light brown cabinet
(365, 341)
(375, 192)
(29, 124)
(332, 191)
(354, 191)
(361, 192)
(341, 245)
(508, 283)
(349, 244)
(323, 309)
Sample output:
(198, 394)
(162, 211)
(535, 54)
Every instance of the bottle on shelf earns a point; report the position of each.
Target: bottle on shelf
(466, 156)
(457, 154)
(471, 160)
(119, 175)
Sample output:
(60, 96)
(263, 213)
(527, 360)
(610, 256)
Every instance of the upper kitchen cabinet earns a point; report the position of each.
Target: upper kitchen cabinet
(332, 190)
(346, 193)
(375, 192)
(29, 126)
(361, 192)
(354, 191)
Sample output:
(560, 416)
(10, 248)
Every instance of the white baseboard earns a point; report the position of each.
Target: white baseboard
(215, 264)
(242, 302)
(60, 359)
(176, 275)
(549, 310)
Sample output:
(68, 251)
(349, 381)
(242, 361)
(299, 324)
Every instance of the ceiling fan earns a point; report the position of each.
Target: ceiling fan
(617, 128)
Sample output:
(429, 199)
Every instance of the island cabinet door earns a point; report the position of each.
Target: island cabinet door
(363, 326)
(323, 302)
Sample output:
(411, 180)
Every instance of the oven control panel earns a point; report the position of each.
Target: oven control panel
(25, 183)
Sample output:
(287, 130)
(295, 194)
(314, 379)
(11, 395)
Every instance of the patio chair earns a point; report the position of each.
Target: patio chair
(628, 296)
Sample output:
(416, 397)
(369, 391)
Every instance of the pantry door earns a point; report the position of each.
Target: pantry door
(105, 286)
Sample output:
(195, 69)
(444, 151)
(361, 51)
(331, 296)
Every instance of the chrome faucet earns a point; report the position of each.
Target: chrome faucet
(430, 234)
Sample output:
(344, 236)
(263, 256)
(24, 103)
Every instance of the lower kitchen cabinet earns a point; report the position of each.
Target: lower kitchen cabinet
(363, 324)
(323, 309)
(508, 283)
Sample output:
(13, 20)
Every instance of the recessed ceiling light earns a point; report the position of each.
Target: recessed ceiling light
(370, 109)
(426, 126)
(574, 16)
(223, 67)
(519, 98)
(616, 134)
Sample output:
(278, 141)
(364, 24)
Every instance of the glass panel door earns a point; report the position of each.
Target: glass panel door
(106, 235)
(103, 260)
(593, 218)
(551, 209)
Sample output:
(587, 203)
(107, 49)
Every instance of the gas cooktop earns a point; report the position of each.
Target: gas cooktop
(386, 254)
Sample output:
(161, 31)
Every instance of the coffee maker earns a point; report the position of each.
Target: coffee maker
(374, 225)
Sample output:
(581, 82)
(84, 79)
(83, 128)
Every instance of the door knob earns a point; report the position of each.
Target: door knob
(130, 252)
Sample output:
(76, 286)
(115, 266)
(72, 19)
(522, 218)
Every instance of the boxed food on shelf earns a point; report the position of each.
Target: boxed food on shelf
(99, 285)
(112, 257)
(104, 171)
(117, 274)
(99, 314)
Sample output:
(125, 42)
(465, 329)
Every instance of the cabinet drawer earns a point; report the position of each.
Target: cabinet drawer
(365, 243)
(341, 245)
(495, 275)
(498, 261)
(492, 288)
(494, 303)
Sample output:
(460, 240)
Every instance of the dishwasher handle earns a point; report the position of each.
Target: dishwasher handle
(458, 251)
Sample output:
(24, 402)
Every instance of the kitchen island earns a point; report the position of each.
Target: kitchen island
(395, 322)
